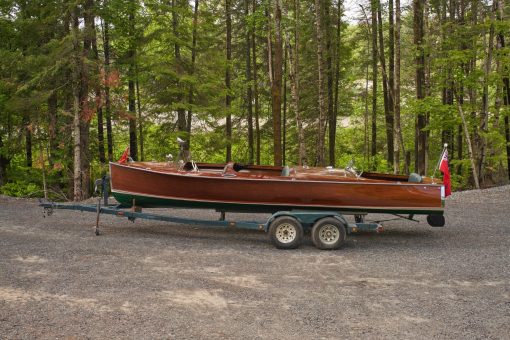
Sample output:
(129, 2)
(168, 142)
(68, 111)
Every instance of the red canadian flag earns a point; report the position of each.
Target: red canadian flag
(125, 156)
(443, 166)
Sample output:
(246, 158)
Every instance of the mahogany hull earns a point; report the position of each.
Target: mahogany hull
(153, 188)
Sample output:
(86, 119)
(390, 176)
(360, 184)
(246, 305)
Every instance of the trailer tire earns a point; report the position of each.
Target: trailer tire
(436, 220)
(286, 232)
(328, 233)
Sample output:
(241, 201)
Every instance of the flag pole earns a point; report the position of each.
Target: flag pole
(440, 158)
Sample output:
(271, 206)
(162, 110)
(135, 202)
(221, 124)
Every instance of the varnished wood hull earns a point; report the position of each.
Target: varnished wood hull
(152, 188)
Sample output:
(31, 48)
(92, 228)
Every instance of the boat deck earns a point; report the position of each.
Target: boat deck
(274, 172)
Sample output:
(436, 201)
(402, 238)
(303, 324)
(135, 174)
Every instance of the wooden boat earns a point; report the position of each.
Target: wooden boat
(237, 187)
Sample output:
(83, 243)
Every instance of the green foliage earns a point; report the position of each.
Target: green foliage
(37, 60)
(23, 181)
(20, 189)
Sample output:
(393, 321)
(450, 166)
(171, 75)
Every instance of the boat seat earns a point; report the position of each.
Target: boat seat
(238, 167)
(285, 171)
(188, 166)
(414, 178)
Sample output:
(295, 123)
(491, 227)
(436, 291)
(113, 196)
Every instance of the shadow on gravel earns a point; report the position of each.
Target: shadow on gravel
(189, 232)
(390, 238)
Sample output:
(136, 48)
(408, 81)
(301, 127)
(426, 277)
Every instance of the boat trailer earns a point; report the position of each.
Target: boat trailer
(286, 228)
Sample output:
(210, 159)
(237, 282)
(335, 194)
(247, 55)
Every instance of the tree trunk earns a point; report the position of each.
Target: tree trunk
(140, 120)
(420, 135)
(469, 69)
(329, 75)
(427, 62)
(459, 7)
(249, 104)
(447, 133)
(284, 120)
(181, 112)
(255, 88)
(192, 71)
(460, 149)
(28, 140)
(388, 116)
(86, 76)
(484, 117)
(52, 127)
(399, 140)
(469, 145)
(269, 42)
(276, 85)
(294, 85)
(366, 149)
(133, 145)
(498, 98)
(272, 61)
(370, 39)
(322, 100)
(76, 67)
(5, 154)
(99, 104)
(4, 162)
(373, 7)
(100, 131)
(506, 83)
(390, 119)
(333, 120)
(107, 103)
(227, 81)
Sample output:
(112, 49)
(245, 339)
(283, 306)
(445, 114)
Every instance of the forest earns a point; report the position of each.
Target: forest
(299, 82)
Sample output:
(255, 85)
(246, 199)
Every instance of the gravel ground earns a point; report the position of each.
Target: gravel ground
(159, 280)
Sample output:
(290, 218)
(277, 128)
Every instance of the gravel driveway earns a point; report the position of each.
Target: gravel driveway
(160, 280)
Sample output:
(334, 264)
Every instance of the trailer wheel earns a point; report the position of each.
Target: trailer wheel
(328, 233)
(286, 232)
